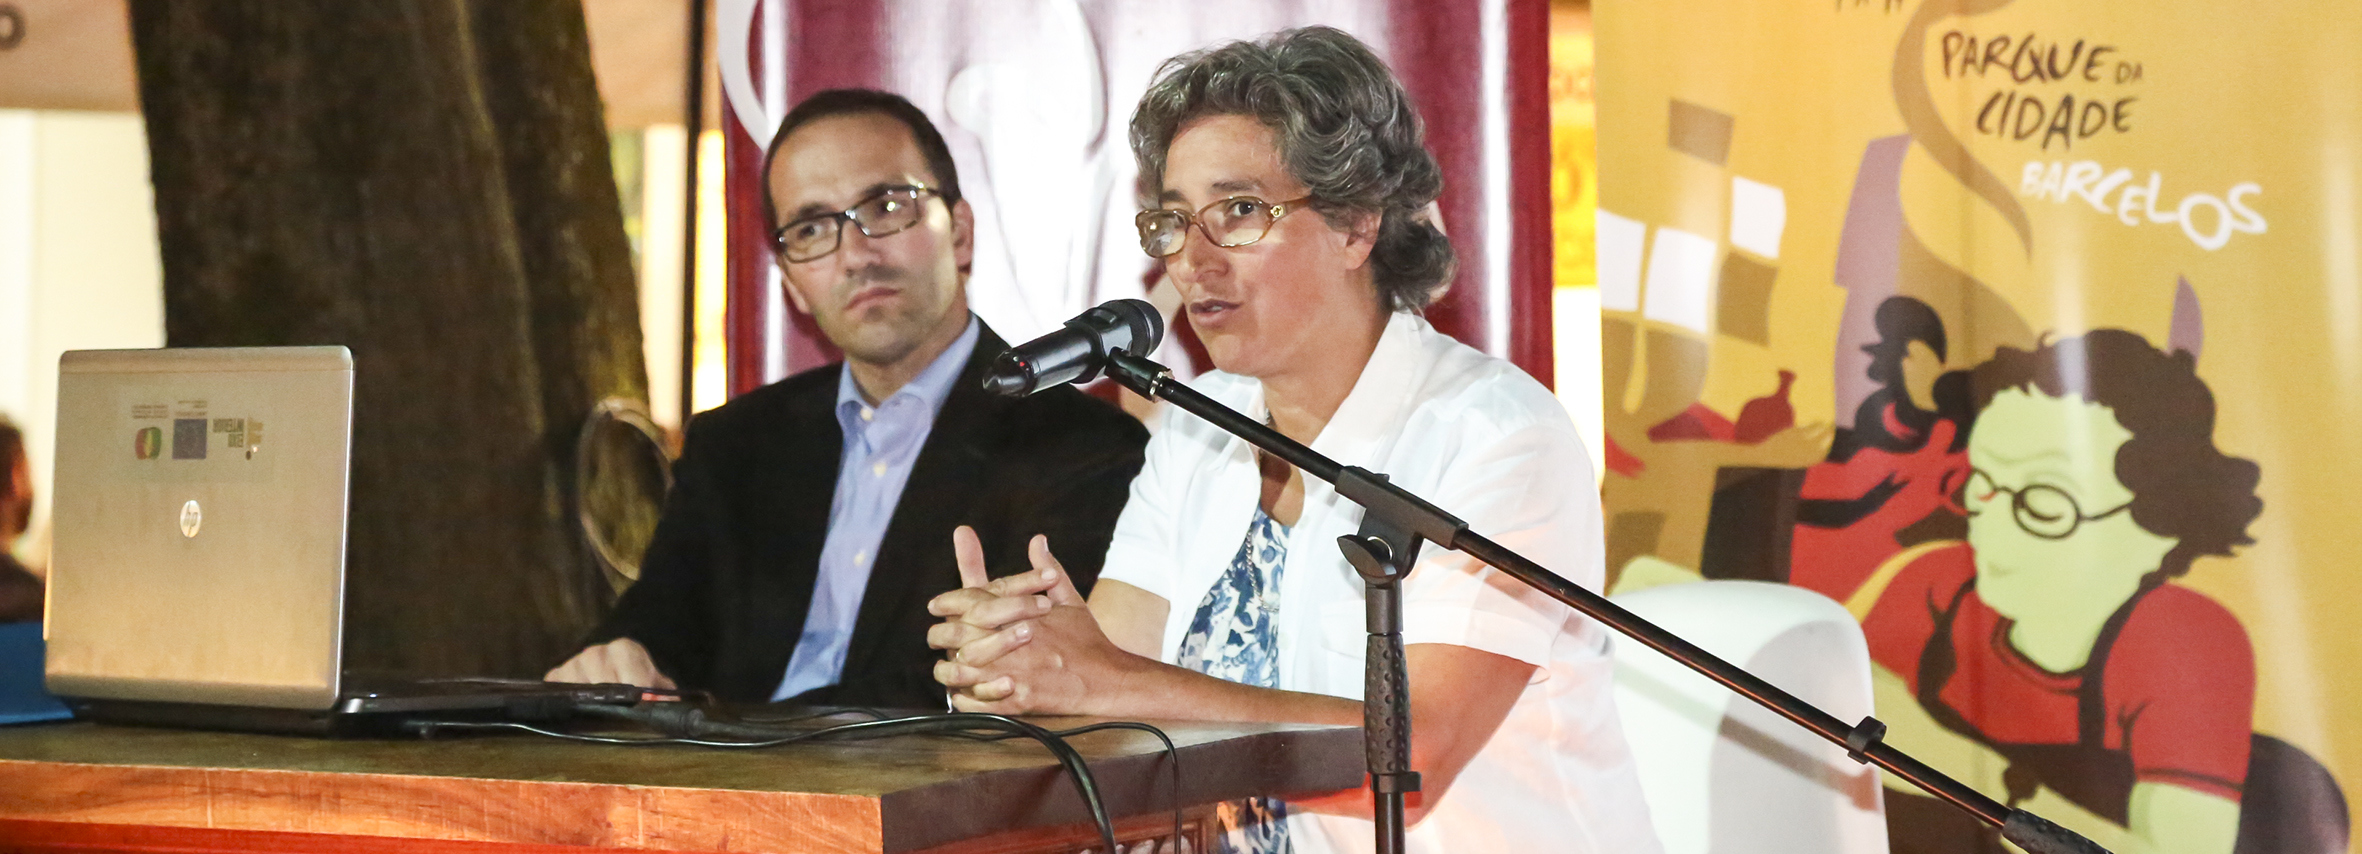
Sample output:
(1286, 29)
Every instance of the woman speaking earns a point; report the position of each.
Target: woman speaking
(1288, 180)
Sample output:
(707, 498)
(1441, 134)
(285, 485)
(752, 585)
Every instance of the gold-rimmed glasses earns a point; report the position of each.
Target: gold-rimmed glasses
(1230, 223)
(2041, 509)
(888, 211)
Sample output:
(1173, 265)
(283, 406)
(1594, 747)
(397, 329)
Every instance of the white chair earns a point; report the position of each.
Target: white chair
(1724, 775)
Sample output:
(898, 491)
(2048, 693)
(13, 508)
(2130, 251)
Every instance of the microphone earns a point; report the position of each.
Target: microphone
(1076, 353)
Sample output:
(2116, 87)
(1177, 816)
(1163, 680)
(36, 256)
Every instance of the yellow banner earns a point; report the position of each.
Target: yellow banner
(2032, 332)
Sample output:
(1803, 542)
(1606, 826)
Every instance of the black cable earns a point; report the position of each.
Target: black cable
(686, 723)
(690, 723)
(1076, 766)
(1172, 752)
(1172, 755)
(1172, 760)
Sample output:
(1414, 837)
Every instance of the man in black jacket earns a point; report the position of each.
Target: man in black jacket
(812, 519)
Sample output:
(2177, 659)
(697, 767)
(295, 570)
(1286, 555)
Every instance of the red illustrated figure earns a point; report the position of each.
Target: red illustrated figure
(1890, 479)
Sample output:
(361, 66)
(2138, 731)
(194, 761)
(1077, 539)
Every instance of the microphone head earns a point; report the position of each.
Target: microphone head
(1078, 352)
(1143, 325)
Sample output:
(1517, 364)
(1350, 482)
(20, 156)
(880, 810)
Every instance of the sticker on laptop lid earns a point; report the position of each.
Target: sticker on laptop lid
(188, 438)
(232, 431)
(175, 438)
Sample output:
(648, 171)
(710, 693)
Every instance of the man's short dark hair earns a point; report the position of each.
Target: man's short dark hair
(847, 102)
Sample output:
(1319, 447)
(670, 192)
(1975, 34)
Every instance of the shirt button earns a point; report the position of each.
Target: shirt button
(878, 469)
(868, 414)
(860, 558)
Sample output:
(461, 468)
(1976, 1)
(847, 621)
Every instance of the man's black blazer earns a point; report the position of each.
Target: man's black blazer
(728, 578)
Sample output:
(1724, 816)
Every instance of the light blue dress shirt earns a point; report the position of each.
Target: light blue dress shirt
(881, 444)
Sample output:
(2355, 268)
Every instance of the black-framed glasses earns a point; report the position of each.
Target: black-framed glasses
(1230, 223)
(2041, 509)
(889, 211)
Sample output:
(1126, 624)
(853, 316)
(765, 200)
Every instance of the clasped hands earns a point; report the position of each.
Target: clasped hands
(1025, 643)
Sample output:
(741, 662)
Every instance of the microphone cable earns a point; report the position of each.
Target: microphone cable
(686, 724)
(1172, 756)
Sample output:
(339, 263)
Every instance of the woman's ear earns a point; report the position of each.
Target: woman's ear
(1361, 237)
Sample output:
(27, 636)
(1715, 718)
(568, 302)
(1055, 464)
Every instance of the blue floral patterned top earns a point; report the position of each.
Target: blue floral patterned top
(1233, 637)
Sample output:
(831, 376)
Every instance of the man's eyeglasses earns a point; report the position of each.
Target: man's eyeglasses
(1232, 222)
(890, 211)
(2041, 509)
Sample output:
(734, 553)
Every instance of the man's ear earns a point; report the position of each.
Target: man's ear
(787, 284)
(963, 235)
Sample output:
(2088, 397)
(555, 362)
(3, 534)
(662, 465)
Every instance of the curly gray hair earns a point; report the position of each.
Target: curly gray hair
(1345, 129)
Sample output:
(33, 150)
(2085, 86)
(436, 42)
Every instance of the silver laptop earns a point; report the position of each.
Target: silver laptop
(198, 567)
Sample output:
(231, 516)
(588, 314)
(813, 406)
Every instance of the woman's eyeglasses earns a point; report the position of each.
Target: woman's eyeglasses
(890, 211)
(1230, 223)
(2041, 509)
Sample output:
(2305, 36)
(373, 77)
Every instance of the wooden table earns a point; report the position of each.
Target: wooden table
(85, 787)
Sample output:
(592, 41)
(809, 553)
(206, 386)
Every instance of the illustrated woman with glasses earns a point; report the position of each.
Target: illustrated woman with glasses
(1283, 183)
(2052, 656)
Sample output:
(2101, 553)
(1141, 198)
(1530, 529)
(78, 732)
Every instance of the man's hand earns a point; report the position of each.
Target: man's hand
(621, 660)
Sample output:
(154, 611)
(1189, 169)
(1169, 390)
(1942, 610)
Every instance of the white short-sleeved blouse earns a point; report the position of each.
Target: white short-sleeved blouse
(1487, 443)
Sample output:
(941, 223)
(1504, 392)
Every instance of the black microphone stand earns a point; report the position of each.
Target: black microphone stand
(1395, 521)
(1383, 552)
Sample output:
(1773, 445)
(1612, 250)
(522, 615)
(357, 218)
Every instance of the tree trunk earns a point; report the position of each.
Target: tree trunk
(534, 60)
(425, 182)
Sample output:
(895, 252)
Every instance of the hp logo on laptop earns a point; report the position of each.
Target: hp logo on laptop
(192, 517)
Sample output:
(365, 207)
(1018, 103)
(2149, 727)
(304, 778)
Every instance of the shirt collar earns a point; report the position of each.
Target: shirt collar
(1381, 394)
(930, 387)
(1367, 417)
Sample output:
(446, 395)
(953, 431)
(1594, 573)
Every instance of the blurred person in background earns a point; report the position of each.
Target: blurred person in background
(20, 589)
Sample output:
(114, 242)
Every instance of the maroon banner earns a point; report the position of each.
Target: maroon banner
(1033, 96)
